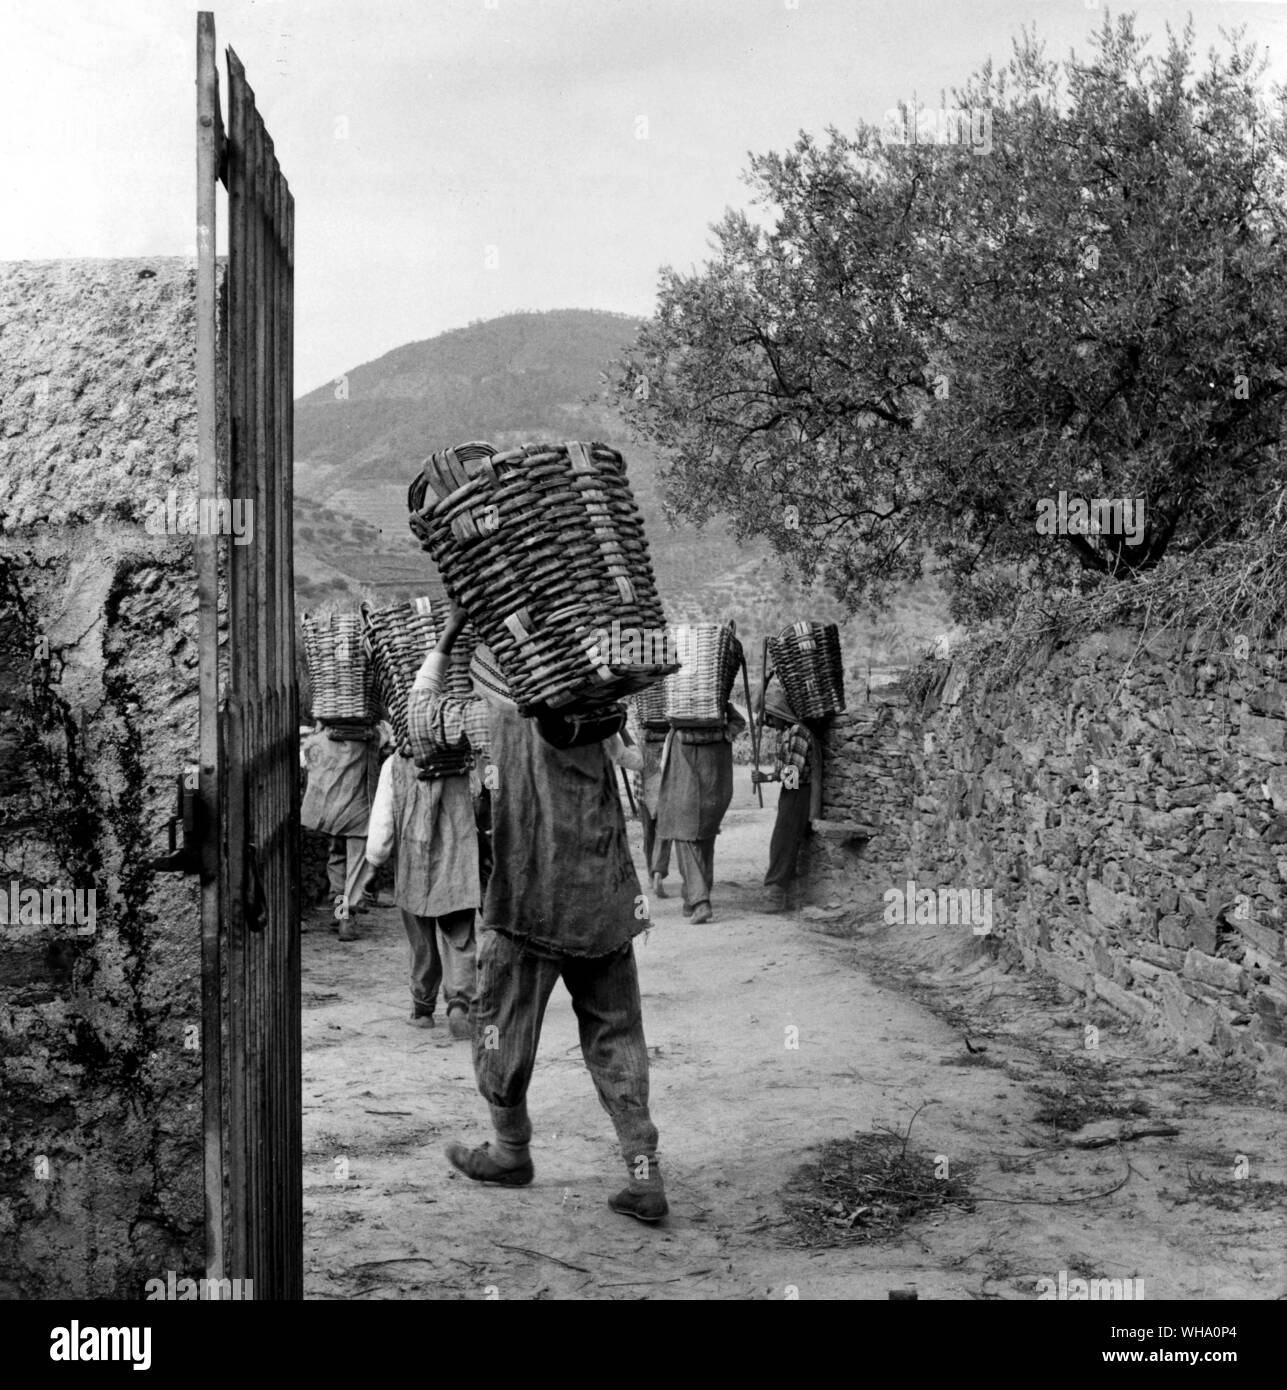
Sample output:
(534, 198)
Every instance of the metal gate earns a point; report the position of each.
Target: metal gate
(249, 762)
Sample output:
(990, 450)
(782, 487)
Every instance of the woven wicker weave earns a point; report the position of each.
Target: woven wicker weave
(397, 641)
(338, 670)
(806, 657)
(710, 657)
(545, 547)
(650, 707)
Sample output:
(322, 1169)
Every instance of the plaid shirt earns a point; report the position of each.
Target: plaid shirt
(795, 749)
(436, 721)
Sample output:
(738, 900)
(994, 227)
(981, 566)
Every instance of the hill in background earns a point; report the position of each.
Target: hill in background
(513, 380)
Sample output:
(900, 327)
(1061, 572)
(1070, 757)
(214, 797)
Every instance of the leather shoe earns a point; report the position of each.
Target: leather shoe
(649, 1206)
(480, 1165)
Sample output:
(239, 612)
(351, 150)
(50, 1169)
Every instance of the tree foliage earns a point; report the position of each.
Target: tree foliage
(908, 344)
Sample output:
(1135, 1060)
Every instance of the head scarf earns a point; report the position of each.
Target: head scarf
(776, 706)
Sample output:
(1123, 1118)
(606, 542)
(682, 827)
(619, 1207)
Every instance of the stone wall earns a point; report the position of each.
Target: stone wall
(1125, 804)
(100, 1076)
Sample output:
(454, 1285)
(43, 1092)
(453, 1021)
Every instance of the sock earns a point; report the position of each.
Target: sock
(513, 1133)
(645, 1173)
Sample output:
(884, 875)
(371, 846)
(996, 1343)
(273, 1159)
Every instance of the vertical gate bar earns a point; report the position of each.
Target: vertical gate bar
(266, 828)
(268, 832)
(250, 690)
(263, 1115)
(239, 617)
(281, 1252)
(289, 738)
(292, 1099)
(253, 639)
(268, 431)
(254, 723)
(262, 1215)
(207, 558)
(294, 1060)
(267, 546)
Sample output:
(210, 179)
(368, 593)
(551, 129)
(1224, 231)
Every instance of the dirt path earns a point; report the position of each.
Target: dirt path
(739, 1108)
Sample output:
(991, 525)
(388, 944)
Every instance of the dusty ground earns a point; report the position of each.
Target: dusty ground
(882, 1015)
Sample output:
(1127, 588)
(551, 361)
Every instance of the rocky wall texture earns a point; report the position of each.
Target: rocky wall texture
(1126, 806)
(100, 1068)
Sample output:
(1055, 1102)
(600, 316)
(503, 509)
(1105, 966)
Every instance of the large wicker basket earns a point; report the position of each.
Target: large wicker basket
(397, 640)
(710, 657)
(807, 658)
(338, 670)
(545, 547)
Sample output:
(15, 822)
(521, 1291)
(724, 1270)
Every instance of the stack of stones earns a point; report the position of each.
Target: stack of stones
(1126, 803)
(867, 781)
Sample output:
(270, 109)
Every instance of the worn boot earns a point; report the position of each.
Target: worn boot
(702, 913)
(644, 1197)
(657, 886)
(506, 1162)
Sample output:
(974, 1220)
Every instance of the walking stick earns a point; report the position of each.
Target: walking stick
(755, 736)
(764, 687)
(630, 796)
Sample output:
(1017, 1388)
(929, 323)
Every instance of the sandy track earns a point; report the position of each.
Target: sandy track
(739, 1106)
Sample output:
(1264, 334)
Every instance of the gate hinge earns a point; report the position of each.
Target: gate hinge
(188, 859)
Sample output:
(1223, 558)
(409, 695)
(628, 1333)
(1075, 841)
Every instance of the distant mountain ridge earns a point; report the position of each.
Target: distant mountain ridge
(500, 378)
(525, 377)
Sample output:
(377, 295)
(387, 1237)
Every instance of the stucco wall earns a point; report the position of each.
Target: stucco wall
(100, 1076)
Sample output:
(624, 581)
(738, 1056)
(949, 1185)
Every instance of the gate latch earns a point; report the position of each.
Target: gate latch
(188, 859)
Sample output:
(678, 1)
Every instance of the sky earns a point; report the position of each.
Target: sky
(453, 160)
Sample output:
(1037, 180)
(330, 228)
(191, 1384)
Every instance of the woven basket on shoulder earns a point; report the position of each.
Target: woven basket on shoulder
(338, 670)
(807, 658)
(545, 547)
(710, 656)
(397, 640)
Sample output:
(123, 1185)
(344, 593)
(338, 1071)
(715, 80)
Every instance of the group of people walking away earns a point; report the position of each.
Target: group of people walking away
(435, 830)
(534, 838)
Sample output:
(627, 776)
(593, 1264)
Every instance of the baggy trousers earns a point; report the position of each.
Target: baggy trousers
(656, 852)
(788, 835)
(697, 867)
(346, 868)
(442, 954)
(513, 989)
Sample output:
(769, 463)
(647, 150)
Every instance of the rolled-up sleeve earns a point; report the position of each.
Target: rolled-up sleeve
(437, 722)
(629, 758)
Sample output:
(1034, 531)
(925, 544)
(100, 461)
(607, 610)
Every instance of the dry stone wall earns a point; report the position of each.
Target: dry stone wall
(1126, 807)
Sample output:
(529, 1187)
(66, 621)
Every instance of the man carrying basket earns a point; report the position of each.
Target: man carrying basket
(562, 902)
(797, 765)
(343, 764)
(696, 788)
